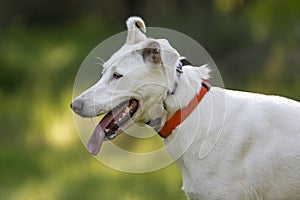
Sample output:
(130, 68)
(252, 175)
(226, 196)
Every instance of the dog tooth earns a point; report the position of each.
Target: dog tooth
(127, 109)
(106, 130)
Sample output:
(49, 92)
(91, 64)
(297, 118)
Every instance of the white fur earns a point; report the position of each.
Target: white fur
(134, 34)
(237, 145)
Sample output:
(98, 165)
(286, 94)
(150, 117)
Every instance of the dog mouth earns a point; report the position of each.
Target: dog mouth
(112, 124)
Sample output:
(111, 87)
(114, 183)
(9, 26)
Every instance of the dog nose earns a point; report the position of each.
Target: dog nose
(77, 105)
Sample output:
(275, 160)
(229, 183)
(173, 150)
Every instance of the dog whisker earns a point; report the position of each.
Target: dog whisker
(100, 64)
(100, 59)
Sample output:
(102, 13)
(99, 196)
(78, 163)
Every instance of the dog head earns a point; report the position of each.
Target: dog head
(134, 84)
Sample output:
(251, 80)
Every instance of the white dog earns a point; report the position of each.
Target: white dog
(237, 145)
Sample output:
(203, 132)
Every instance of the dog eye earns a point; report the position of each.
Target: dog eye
(117, 75)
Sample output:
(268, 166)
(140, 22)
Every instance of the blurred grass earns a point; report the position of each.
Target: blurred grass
(44, 173)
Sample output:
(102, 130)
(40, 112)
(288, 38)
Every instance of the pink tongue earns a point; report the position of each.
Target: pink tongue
(96, 140)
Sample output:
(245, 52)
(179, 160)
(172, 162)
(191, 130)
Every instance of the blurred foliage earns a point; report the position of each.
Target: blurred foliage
(254, 43)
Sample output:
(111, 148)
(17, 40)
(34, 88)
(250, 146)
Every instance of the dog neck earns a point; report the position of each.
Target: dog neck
(180, 110)
(189, 85)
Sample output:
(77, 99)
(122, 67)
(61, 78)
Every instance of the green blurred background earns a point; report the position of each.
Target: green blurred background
(255, 44)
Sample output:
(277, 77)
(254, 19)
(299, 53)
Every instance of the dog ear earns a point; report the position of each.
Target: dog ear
(152, 53)
(160, 53)
(136, 30)
(169, 55)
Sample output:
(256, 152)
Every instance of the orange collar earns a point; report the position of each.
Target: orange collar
(182, 114)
